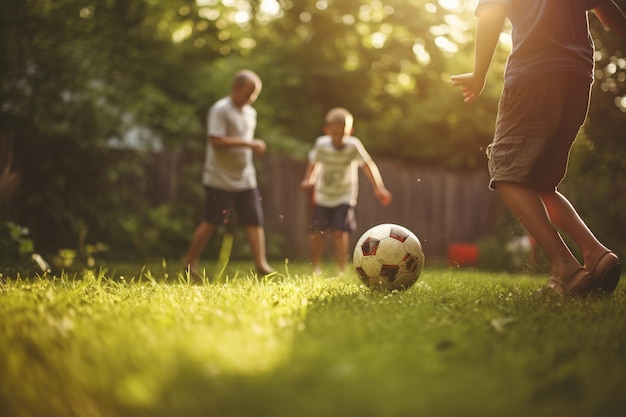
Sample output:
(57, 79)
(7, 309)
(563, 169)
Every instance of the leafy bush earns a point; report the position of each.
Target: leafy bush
(15, 243)
(158, 231)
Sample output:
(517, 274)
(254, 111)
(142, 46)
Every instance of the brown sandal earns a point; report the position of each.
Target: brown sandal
(606, 273)
(578, 283)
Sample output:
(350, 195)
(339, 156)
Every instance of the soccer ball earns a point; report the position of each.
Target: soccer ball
(388, 256)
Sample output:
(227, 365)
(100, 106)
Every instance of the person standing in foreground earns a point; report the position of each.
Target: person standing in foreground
(543, 105)
(333, 171)
(229, 176)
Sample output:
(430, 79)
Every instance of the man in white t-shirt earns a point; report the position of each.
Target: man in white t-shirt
(229, 176)
(333, 172)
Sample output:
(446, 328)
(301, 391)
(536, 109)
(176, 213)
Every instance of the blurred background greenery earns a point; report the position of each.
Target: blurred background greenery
(90, 90)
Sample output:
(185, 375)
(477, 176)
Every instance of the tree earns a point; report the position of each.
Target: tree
(389, 64)
(74, 78)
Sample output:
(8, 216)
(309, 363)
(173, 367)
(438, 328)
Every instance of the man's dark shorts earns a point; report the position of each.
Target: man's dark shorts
(535, 129)
(340, 218)
(246, 204)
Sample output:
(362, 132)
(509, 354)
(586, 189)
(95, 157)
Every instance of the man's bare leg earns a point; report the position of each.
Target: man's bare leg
(200, 237)
(256, 237)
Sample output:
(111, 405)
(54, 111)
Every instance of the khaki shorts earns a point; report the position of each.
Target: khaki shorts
(535, 129)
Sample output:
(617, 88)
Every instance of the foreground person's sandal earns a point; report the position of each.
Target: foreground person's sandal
(578, 284)
(606, 273)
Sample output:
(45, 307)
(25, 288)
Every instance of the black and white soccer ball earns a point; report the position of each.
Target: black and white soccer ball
(388, 256)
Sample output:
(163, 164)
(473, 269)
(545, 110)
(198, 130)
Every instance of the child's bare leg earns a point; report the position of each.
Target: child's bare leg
(199, 240)
(565, 217)
(317, 249)
(526, 204)
(342, 241)
(256, 237)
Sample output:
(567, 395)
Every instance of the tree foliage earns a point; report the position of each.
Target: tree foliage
(389, 64)
(76, 77)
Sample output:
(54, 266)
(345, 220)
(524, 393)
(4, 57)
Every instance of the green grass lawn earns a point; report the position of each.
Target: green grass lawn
(143, 341)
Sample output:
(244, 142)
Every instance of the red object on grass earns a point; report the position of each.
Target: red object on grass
(462, 254)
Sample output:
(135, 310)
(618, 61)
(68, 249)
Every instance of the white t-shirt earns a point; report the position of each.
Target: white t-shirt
(230, 169)
(338, 177)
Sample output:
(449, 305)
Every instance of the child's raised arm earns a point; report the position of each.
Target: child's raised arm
(310, 176)
(490, 21)
(380, 191)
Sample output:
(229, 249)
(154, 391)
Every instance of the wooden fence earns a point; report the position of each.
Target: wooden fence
(442, 207)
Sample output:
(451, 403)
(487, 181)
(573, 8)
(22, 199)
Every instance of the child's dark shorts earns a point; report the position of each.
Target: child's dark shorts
(535, 129)
(341, 218)
(246, 204)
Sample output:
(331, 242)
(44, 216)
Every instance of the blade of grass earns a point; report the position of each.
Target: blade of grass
(224, 254)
